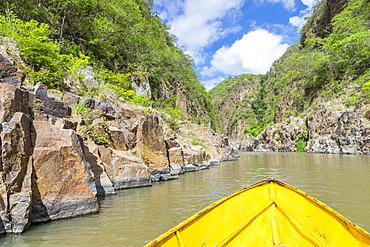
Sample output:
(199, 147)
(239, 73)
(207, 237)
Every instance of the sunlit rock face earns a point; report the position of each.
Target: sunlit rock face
(54, 164)
(64, 182)
(343, 131)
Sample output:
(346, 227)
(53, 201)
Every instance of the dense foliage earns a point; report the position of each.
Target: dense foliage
(118, 37)
(333, 53)
(324, 66)
(239, 105)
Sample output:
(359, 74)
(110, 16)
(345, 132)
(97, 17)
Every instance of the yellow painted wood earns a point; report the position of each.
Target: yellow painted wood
(270, 213)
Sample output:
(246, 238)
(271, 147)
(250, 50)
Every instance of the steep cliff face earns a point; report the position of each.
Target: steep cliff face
(54, 162)
(119, 39)
(329, 127)
(319, 25)
(233, 101)
(318, 91)
(328, 59)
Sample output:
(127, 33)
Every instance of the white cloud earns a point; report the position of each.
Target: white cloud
(254, 53)
(297, 21)
(199, 23)
(213, 82)
(288, 4)
(309, 3)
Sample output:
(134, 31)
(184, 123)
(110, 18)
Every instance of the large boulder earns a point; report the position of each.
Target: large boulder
(9, 73)
(128, 173)
(123, 168)
(15, 171)
(150, 143)
(64, 182)
(49, 105)
(103, 183)
(176, 159)
(12, 100)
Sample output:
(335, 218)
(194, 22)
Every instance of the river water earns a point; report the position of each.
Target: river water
(135, 216)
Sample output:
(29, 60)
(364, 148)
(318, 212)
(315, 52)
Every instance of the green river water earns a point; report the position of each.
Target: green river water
(135, 216)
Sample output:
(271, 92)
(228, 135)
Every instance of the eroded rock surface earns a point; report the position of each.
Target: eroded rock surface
(341, 132)
(54, 164)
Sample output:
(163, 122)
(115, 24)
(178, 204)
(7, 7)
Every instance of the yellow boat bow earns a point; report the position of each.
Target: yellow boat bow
(269, 213)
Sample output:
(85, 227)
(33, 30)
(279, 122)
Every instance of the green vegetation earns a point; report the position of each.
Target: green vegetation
(300, 145)
(333, 53)
(124, 41)
(44, 60)
(85, 112)
(243, 109)
(324, 64)
(263, 115)
(99, 133)
(197, 141)
(119, 39)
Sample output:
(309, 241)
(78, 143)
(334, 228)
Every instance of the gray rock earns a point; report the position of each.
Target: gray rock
(166, 177)
(190, 168)
(89, 77)
(140, 84)
(342, 132)
(9, 73)
(70, 99)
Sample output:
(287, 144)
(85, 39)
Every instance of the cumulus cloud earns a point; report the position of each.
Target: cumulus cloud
(254, 53)
(309, 3)
(288, 4)
(199, 23)
(213, 82)
(299, 21)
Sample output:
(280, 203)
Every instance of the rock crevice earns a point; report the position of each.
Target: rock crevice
(53, 164)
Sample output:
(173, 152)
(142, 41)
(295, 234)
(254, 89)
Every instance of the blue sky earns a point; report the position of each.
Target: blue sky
(233, 37)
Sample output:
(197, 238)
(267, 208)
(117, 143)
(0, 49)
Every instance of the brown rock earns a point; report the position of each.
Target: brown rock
(103, 183)
(123, 169)
(16, 169)
(12, 100)
(9, 73)
(64, 183)
(151, 145)
(118, 138)
(20, 204)
(128, 173)
(176, 158)
(194, 155)
(70, 99)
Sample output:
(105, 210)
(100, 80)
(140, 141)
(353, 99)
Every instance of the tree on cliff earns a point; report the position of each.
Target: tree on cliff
(123, 36)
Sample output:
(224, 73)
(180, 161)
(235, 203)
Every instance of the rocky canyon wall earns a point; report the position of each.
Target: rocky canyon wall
(54, 164)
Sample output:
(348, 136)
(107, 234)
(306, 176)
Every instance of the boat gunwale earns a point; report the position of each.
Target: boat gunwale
(207, 209)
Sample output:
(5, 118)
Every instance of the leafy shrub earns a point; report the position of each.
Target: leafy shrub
(142, 100)
(255, 130)
(197, 141)
(42, 55)
(174, 124)
(300, 145)
(98, 133)
(85, 112)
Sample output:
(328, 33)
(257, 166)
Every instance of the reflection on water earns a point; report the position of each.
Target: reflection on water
(135, 216)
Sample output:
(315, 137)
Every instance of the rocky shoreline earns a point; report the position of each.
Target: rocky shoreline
(331, 128)
(60, 151)
(54, 164)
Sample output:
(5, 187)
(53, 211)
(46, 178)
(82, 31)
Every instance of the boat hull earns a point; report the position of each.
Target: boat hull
(269, 213)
